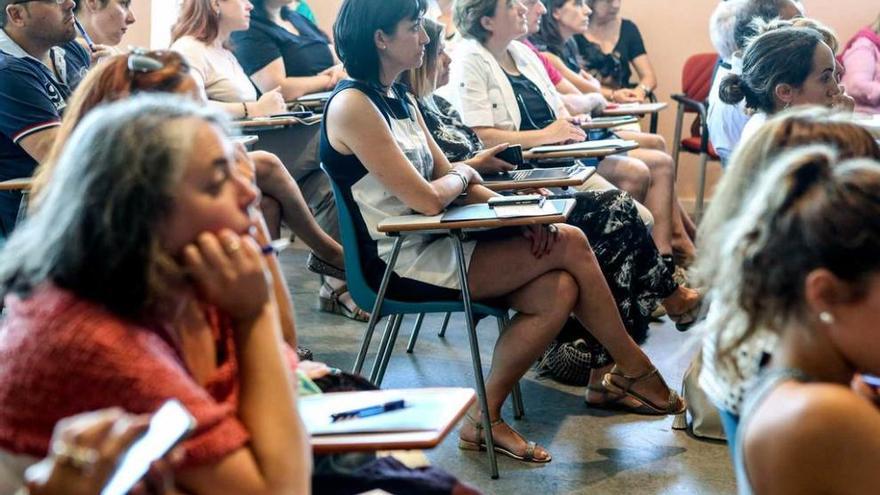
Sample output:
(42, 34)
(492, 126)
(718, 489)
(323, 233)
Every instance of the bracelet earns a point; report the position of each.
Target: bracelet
(244, 105)
(464, 181)
(646, 89)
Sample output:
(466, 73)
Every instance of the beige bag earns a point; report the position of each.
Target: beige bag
(705, 422)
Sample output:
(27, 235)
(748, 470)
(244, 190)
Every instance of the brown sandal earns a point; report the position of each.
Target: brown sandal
(333, 304)
(480, 445)
(611, 382)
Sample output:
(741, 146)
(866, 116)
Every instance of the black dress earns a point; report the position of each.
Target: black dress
(612, 69)
(636, 274)
(305, 54)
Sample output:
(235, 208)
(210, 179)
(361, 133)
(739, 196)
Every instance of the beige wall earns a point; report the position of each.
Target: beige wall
(673, 30)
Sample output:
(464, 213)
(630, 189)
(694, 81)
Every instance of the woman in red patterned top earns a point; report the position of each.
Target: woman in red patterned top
(146, 222)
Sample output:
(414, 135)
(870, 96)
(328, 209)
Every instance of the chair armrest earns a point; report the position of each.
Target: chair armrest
(697, 106)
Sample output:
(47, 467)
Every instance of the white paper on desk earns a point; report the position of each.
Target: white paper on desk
(586, 145)
(533, 210)
(423, 412)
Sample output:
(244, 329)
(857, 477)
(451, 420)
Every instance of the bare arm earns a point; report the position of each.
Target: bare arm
(581, 84)
(355, 126)
(277, 460)
(275, 75)
(647, 77)
(39, 144)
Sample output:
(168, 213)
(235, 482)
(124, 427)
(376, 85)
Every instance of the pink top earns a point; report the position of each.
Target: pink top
(861, 79)
(552, 72)
(61, 355)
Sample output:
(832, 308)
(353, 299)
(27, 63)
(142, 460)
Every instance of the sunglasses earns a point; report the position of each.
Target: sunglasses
(141, 62)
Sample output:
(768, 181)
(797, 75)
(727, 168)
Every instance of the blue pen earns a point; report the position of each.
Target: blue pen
(85, 35)
(369, 410)
(275, 246)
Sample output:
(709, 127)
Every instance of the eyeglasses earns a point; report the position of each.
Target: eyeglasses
(57, 2)
(139, 61)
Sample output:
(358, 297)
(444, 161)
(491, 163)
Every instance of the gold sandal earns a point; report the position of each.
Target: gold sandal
(480, 445)
(611, 382)
(333, 304)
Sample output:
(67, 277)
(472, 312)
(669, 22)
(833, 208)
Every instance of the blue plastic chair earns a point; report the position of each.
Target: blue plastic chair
(365, 297)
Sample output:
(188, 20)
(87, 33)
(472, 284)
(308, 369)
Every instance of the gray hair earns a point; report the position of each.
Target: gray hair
(722, 25)
(95, 230)
(468, 16)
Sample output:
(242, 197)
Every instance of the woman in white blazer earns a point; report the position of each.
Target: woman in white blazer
(497, 84)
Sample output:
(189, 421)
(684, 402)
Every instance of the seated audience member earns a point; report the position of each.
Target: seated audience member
(552, 25)
(783, 67)
(791, 129)
(611, 48)
(635, 272)
(105, 22)
(137, 280)
(503, 92)
(376, 147)
(803, 428)
(282, 48)
(40, 64)
(201, 35)
(861, 61)
(731, 27)
(85, 451)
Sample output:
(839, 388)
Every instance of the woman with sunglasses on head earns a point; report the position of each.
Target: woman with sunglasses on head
(143, 235)
(800, 263)
(105, 23)
(163, 71)
(376, 147)
(282, 48)
(635, 272)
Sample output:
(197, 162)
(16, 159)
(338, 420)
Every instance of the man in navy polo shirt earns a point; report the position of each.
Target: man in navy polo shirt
(40, 64)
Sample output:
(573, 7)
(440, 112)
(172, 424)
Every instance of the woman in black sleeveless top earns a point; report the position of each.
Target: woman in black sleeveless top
(376, 147)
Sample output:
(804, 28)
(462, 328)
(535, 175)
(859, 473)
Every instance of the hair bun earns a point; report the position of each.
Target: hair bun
(731, 90)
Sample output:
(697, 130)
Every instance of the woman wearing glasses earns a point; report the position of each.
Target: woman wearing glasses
(503, 92)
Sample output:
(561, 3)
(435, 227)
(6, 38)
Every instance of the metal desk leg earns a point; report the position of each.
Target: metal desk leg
(385, 355)
(415, 333)
(475, 351)
(377, 306)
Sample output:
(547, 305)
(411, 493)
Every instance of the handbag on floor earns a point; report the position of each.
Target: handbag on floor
(572, 355)
(705, 422)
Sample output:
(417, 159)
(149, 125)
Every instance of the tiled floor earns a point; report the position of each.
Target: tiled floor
(593, 451)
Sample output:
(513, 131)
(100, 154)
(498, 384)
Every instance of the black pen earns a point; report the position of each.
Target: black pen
(369, 410)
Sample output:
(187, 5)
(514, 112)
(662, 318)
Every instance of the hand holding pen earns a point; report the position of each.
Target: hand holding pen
(368, 411)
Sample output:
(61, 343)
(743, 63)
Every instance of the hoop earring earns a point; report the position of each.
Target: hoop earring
(826, 317)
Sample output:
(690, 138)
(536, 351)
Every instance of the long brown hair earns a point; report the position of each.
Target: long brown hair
(197, 19)
(111, 80)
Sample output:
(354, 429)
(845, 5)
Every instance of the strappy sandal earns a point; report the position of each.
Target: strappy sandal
(321, 267)
(333, 304)
(480, 444)
(686, 319)
(612, 383)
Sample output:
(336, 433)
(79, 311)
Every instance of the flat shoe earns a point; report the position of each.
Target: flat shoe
(527, 456)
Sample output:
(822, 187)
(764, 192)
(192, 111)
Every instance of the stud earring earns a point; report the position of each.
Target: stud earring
(826, 317)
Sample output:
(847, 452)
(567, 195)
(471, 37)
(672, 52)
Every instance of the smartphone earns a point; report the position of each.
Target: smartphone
(171, 423)
(512, 155)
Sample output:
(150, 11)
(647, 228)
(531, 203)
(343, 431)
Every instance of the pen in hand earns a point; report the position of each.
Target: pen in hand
(369, 410)
(84, 34)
